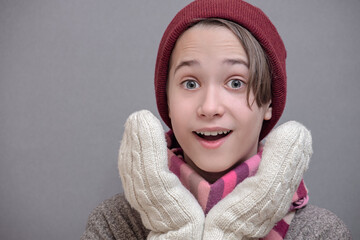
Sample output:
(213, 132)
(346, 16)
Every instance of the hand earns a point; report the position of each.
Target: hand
(253, 208)
(165, 206)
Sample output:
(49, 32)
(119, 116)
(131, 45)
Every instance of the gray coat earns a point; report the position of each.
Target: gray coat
(116, 219)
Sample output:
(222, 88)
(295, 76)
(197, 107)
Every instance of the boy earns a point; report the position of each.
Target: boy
(220, 85)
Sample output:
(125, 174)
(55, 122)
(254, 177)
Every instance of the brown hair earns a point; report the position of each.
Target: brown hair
(259, 69)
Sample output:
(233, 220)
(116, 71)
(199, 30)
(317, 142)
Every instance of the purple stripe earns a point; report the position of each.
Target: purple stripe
(216, 192)
(301, 191)
(175, 164)
(281, 227)
(242, 172)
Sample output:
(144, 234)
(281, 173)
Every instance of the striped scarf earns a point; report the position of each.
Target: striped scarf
(208, 195)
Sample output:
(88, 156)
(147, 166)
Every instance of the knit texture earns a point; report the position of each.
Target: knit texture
(253, 208)
(150, 187)
(208, 195)
(115, 219)
(248, 16)
(170, 211)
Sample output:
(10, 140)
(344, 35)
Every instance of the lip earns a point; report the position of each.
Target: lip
(212, 144)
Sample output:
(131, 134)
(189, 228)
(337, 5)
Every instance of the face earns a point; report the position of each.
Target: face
(207, 100)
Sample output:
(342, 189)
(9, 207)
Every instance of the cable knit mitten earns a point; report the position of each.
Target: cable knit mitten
(253, 208)
(165, 206)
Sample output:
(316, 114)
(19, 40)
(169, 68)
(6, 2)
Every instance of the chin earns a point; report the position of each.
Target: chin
(217, 169)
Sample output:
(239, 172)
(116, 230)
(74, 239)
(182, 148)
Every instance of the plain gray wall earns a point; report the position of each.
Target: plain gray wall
(71, 71)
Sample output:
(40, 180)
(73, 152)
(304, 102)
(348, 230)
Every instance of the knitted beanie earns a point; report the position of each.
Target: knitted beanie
(246, 15)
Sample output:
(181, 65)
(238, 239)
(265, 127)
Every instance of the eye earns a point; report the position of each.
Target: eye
(190, 84)
(235, 84)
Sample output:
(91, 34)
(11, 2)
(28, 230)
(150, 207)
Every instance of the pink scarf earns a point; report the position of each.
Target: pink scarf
(208, 195)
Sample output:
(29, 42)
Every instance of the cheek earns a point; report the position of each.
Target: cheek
(175, 106)
(248, 118)
(170, 101)
(179, 111)
(179, 104)
(239, 107)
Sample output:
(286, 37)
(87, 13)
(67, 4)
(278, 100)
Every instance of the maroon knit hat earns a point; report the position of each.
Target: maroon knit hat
(246, 15)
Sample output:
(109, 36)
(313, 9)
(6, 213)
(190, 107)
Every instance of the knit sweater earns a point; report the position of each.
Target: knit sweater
(116, 219)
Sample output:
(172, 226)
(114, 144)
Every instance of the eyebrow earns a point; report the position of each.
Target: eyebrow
(234, 61)
(186, 63)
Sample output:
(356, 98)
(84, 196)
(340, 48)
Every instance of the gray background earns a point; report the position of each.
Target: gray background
(71, 71)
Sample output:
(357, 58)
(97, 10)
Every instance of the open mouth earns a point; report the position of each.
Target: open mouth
(212, 136)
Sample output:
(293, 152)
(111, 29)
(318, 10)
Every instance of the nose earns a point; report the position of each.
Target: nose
(211, 104)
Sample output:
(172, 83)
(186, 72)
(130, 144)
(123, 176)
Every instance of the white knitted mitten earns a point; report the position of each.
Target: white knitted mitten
(166, 207)
(253, 208)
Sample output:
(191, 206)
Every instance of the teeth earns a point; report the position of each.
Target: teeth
(213, 133)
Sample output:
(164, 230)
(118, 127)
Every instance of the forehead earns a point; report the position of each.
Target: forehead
(207, 40)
